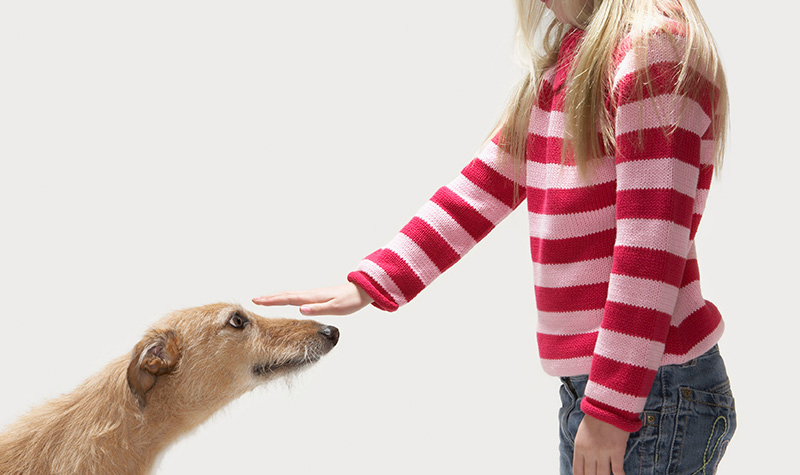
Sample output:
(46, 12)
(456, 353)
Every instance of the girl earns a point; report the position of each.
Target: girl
(612, 136)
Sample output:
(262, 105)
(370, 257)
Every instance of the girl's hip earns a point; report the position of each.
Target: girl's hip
(687, 423)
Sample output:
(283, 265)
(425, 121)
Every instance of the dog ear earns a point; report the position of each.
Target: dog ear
(157, 354)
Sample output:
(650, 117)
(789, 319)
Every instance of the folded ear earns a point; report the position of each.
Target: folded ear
(156, 355)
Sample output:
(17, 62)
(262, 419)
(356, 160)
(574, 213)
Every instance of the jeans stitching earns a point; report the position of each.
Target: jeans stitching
(721, 454)
(708, 403)
(706, 457)
(674, 462)
(723, 388)
(689, 397)
(641, 453)
(680, 450)
(565, 417)
(679, 433)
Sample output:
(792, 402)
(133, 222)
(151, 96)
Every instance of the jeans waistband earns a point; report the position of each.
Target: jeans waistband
(667, 378)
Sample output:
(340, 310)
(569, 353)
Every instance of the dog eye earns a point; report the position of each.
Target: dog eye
(238, 321)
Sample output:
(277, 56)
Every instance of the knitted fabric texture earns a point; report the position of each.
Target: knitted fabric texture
(615, 270)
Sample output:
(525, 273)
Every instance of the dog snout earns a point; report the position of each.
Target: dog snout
(331, 333)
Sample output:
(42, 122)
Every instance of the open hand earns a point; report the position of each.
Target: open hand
(337, 300)
(599, 448)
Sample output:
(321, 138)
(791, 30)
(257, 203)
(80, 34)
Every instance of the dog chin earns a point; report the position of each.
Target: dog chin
(268, 369)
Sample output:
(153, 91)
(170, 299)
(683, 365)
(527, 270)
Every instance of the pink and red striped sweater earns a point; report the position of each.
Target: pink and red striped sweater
(615, 270)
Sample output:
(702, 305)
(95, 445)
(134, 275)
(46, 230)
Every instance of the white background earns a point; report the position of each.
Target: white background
(165, 154)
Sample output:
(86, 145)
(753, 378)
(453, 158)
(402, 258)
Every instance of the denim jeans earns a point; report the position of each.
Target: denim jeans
(688, 421)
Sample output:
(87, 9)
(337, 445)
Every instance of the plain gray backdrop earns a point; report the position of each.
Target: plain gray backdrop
(166, 154)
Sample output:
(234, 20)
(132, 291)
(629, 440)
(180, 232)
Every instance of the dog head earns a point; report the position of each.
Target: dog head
(206, 356)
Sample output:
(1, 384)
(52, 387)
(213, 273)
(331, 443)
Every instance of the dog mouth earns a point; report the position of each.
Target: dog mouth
(266, 369)
(305, 355)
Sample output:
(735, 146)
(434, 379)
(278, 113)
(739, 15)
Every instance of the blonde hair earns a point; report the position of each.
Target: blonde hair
(590, 78)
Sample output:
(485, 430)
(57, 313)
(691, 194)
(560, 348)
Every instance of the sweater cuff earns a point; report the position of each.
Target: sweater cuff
(372, 289)
(624, 420)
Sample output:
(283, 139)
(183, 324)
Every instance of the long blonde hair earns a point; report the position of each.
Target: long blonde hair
(590, 79)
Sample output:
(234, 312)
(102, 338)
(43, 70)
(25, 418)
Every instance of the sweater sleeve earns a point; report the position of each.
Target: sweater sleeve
(456, 218)
(661, 137)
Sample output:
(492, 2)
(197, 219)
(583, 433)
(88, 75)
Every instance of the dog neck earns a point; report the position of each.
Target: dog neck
(100, 428)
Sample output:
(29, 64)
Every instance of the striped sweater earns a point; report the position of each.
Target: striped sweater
(615, 270)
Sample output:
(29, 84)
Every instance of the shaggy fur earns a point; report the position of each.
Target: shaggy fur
(189, 365)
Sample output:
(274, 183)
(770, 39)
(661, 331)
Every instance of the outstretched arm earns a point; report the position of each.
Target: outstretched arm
(456, 218)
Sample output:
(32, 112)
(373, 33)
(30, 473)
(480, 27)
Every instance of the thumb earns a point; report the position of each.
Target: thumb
(309, 309)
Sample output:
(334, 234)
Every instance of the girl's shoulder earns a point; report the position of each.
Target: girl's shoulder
(666, 41)
(663, 47)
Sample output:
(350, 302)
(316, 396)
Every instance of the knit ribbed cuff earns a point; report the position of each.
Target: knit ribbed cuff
(628, 422)
(380, 300)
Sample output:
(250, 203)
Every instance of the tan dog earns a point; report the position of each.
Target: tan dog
(188, 366)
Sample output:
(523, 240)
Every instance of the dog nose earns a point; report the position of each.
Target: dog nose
(330, 332)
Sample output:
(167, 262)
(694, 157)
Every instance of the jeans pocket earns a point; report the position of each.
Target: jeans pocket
(642, 446)
(705, 423)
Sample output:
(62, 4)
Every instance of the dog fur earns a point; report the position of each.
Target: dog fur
(190, 364)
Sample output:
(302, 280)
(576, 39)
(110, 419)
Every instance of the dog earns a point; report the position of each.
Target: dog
(190, 364)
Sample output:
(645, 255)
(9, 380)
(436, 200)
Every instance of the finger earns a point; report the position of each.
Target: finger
(288, 298)
(326, 308)
(588, 467)
(577, 465)
(617, 464)
(266, 300)
(309, 310)
(335, 306)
